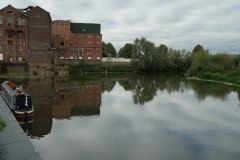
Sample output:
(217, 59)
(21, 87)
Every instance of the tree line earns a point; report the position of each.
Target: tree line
(146, 56)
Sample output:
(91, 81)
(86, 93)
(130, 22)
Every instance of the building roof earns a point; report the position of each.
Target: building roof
(19, 10)
(90, 28)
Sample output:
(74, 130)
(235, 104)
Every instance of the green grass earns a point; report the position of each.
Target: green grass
(2, 124)
(232, 77)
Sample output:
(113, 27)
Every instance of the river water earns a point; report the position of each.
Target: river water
(143, 117)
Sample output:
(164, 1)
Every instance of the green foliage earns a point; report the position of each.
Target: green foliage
(162, 49)
(2, 124)
(126, 51)
(108, 49)
(198, 48)
(144, 52)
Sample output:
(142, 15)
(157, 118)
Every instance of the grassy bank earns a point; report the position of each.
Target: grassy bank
(232, 77)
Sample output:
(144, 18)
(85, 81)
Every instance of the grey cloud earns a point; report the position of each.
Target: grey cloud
(178, 24)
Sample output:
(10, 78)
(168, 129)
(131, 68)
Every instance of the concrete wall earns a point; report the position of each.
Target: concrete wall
(117, 60)
(79, 61)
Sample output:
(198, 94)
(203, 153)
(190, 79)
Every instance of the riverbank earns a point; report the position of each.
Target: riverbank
(14, 143)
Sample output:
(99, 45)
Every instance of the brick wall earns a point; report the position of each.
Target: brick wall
(39, 29)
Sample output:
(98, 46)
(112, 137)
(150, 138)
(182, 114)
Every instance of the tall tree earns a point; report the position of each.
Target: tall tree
(143, 53)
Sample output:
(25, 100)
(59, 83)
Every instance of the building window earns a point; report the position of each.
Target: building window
(10, 26)
(9, 18)
(62, 23)
(10, 59)
(66, 23)
(9, 12)
(19, 20)
(1, 21)
(0, 40)
(89, 36)
(57, 23)
(19, 34)
(10, 34)
(98, 42)
(89, 42)
(0, 48)
(23, 21)
(53, 23)
(20, 40)
(1, 56)
(98, 36)
(10, 49)
(10, 42)
(80, 36)
(19, 48)
(62, 35)
(20, 58)
(80, 42)
(62, 43)
(37, 16)
(71, 43)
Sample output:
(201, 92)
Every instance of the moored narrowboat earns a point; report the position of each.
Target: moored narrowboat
(19, 102)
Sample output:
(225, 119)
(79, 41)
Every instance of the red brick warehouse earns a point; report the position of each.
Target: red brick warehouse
(77, 40)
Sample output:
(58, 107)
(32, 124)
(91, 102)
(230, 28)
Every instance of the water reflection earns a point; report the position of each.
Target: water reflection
(76, 99)
(138, 117)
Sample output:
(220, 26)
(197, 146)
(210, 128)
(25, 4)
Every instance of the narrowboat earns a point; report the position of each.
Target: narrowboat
(19, 102)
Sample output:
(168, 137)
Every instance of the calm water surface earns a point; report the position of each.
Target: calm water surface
(134, 117)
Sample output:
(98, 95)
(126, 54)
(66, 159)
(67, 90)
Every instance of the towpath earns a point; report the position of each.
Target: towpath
(14, 143)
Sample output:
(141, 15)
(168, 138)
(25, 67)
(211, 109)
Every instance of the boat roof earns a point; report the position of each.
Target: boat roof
(11, 91)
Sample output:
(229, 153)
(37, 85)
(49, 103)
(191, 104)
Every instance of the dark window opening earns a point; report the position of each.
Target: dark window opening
(62, 43)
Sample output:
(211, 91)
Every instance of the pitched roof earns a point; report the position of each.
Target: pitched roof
(19, 10)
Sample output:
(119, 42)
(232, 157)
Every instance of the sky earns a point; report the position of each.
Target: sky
(180, 24)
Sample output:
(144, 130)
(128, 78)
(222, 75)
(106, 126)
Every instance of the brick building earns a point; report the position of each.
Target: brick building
(13, 35)
(77, 40)
(29, 36)
(39, 36)
(25, 35)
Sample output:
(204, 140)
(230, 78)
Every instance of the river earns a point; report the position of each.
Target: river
(133, 117)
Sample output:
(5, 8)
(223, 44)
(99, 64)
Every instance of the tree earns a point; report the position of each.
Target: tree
(126, 51)
(143, 54)
(111, 50)
(162, 49)
(104, 49)
(198, 48)
(108, 48)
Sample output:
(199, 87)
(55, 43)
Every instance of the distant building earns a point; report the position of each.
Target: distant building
(24, 32)
(30, 36)
(77, 40)
(13, 35)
